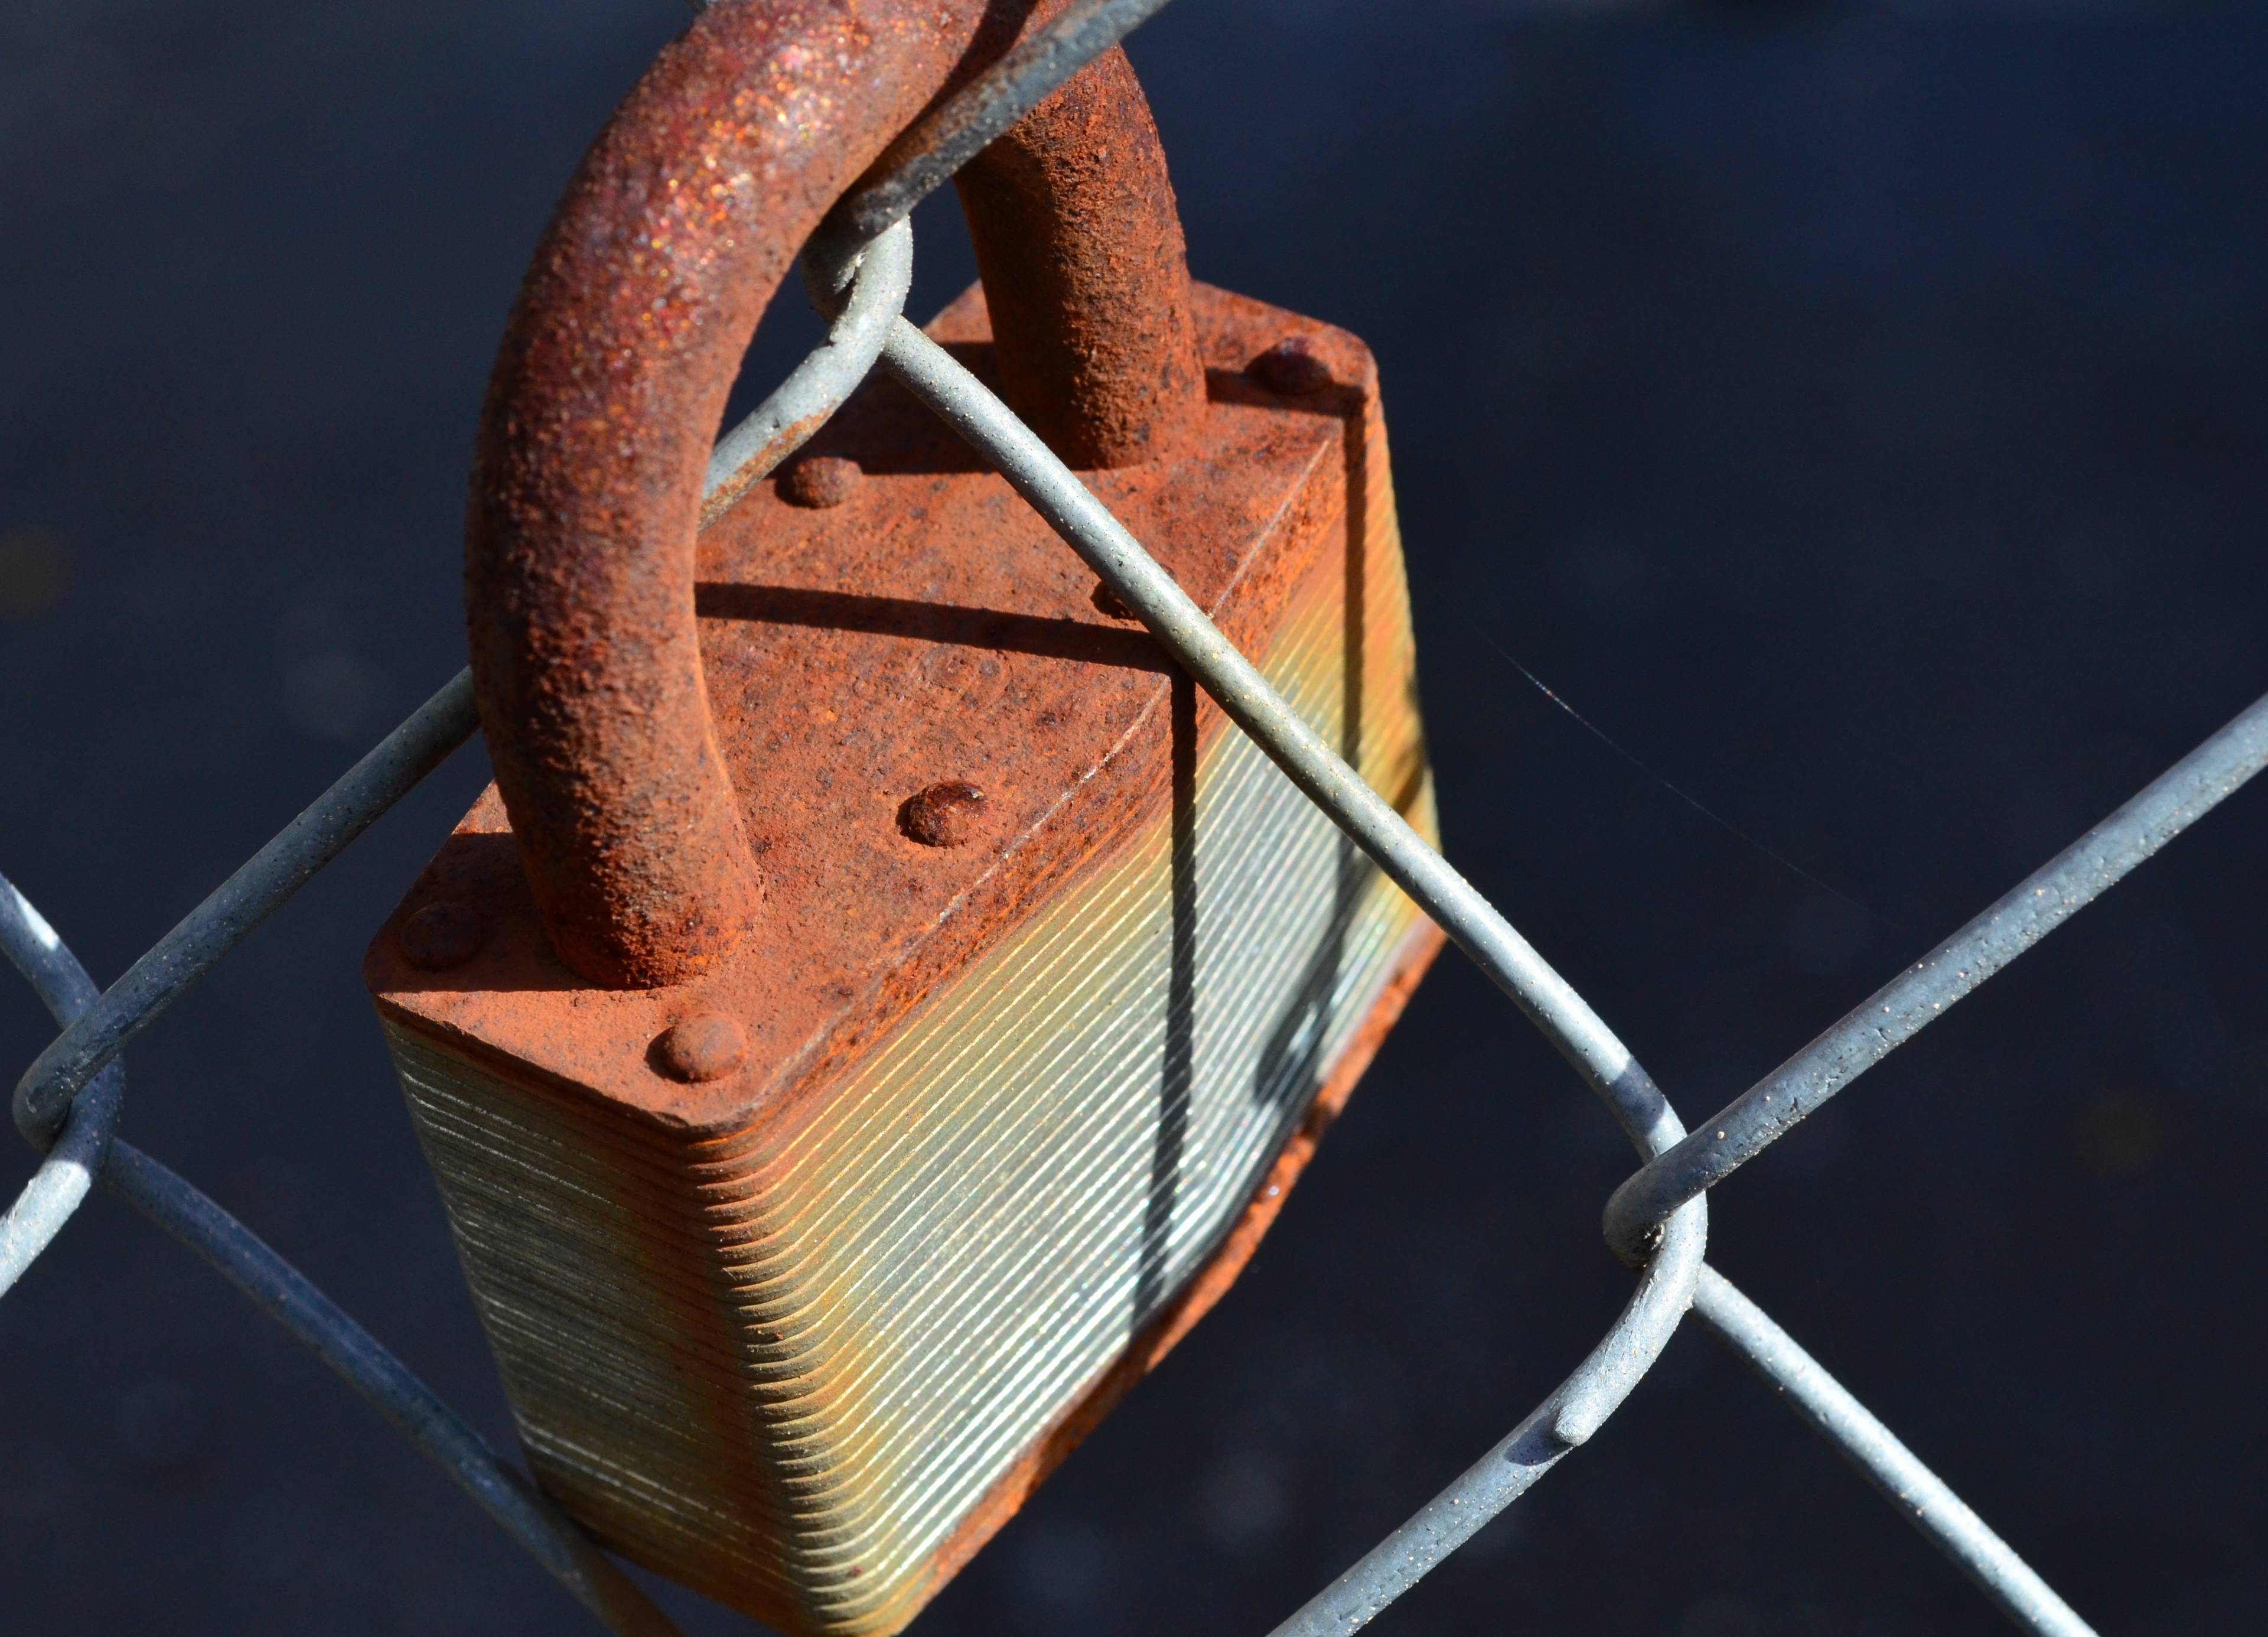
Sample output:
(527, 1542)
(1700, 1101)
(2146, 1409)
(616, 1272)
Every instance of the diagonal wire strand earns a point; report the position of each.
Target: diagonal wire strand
(291, 1300)
(1920, 994)
(1672, 1270)
(1925, 1499)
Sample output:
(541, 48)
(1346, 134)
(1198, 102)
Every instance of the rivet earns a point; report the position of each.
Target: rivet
(1291, 367)
(441, 935)
(821, 480)
(943, 815)
(706, 1046)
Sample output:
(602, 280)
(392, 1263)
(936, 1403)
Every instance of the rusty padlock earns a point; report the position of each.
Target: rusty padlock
(879, 1006)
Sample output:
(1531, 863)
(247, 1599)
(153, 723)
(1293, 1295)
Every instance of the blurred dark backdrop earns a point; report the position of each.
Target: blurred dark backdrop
(1858, 413)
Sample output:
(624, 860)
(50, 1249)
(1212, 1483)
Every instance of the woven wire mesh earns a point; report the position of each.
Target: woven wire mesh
(69, 1101)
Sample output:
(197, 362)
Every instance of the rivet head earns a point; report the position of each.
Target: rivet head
(706, 1046)
(441, 935)
(943, 815)
(1291, 367)
(821, 480)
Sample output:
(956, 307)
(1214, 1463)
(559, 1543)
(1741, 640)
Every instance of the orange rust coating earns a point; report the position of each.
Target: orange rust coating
(931, 629)
(1105, 374)
(606, 394)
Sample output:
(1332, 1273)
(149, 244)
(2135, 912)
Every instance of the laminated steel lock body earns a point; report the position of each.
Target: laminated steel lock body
(880, 1004)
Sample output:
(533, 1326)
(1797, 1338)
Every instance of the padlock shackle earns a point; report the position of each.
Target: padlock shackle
(622, 346)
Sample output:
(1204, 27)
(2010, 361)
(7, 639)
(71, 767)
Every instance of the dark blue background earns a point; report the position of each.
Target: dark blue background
(1859, 414)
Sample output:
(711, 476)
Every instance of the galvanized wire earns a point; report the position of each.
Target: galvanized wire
(1885, 1463)
(289, 1297)
(1087, 526)
(256, 891)
(67, 1103)
(798, 406)
(76, 1155)
(1670, 1268)
(1917, 997)
(286, 1295)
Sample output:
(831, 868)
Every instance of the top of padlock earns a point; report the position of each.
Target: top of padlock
(612, 379)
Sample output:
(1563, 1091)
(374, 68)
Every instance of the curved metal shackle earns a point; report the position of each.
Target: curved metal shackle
(622, 346)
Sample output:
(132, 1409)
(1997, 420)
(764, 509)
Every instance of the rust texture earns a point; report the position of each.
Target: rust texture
(935, 631)
(1077, 239)
(672, 237)
(935, 628)
(1291, 367)
(820, 481)
(943, 815)
(706, 1046)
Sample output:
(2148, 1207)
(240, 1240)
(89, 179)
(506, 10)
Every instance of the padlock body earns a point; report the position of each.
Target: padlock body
(1013, 1111)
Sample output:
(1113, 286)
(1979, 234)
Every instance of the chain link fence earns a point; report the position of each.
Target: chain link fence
(68, 1102)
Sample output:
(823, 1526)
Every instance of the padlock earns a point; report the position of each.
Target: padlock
(881, 1005)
